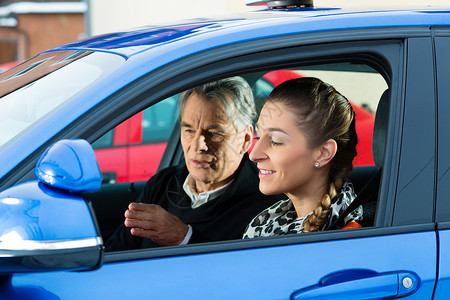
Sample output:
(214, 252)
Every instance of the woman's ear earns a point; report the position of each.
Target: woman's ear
(248, 139)
(326, 152)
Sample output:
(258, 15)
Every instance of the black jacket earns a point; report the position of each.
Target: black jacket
(223, 218)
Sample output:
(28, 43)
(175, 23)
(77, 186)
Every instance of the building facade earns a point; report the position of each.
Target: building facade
(27, 28)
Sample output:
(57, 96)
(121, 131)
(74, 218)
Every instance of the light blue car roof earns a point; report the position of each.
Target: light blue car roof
(255, 25)
(152, 47)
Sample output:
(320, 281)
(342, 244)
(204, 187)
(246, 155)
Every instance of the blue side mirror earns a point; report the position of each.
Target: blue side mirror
(69, 165)
(46, 224)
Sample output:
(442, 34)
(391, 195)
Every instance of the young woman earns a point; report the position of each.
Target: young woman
(306, 144)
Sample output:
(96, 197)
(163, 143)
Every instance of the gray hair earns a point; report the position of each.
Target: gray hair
(233, 93)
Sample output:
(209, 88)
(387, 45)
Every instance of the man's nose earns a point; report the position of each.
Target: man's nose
(200, 143)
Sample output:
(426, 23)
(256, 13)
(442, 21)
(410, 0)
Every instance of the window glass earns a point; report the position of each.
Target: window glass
(44, 83)
(158, 121)
(262, 90)
(132, 151)
(104, 141)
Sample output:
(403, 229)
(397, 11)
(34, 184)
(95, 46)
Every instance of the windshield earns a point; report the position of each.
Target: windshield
(39, 86)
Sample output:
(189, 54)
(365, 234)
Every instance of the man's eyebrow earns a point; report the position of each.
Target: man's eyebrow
(216, 126)
(212, 126)
(184, 124)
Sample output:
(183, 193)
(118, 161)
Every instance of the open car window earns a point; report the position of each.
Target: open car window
(131, 152)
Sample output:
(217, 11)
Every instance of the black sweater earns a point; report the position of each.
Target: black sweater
(223, 218)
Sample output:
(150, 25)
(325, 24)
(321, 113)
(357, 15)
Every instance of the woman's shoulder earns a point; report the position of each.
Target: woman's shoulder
(264, 222)
(278, 208)
(346, 195)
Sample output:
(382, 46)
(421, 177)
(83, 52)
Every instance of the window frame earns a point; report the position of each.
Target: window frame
(415, 185)
(283, 63)
(442, 43)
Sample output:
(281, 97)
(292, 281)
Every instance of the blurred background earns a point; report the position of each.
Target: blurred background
(29, 27)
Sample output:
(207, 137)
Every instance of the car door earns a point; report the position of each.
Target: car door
(394, 257)
(442, 42)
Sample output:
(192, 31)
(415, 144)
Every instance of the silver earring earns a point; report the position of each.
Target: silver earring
(317, 164)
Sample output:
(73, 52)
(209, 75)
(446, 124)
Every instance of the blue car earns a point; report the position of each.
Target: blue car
(56, 212)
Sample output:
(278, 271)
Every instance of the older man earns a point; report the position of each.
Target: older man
(216, 194)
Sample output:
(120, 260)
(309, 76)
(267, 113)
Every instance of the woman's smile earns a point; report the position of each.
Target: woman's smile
(265, 173)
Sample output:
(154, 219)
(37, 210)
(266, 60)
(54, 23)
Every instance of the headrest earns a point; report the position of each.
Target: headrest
(380, 129)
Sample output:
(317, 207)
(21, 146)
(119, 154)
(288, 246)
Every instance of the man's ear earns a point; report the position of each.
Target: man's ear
(248, 139)
(326, 152)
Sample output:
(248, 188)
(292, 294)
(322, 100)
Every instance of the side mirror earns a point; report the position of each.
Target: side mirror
(69, 165)
(46, 224)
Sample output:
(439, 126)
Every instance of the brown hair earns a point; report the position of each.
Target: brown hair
(323, 114)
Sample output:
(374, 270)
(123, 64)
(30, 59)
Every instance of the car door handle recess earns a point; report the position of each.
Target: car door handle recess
(360, 284)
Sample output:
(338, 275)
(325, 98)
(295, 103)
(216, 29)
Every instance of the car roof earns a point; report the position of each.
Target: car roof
(242, 27)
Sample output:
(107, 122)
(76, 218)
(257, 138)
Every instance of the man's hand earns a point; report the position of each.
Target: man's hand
(154, 222)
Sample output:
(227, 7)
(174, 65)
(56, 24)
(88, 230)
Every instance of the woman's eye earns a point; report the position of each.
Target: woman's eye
(275, 141)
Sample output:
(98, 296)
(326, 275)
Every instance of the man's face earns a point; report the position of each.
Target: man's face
(212, 147)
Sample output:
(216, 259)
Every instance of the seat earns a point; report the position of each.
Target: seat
(380, 129)
(368, 195)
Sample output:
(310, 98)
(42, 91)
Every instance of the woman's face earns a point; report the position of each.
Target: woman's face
(284, 160)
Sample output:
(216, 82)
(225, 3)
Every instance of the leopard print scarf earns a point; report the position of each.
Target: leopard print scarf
(281, 218)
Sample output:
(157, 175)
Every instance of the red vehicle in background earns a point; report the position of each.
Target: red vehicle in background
(132, 151)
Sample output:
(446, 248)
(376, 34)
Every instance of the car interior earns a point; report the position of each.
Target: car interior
(371, 98)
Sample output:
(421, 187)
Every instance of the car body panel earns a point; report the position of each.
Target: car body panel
(443, 282)
(254, 274)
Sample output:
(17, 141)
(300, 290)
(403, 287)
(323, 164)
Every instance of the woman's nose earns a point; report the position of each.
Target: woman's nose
(257, 153)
